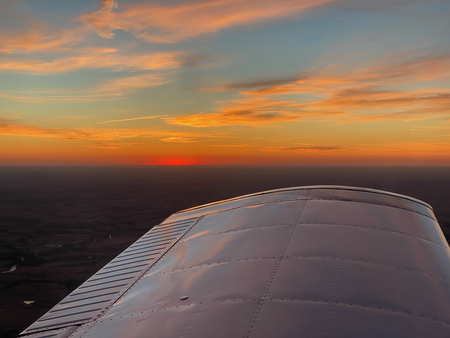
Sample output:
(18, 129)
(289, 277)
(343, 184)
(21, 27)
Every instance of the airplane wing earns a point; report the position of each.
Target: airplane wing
(318, 261)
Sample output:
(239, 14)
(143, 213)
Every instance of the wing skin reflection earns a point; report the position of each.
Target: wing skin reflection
(320, 261)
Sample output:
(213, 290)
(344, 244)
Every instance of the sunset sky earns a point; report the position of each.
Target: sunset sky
(307, 82)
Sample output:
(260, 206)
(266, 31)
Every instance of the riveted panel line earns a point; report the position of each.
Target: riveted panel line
(240, 230)
(213, 264)
(274, 272)
(350, 260)
(379, 229)
(329, 312)
(250, 205)
(420, 316)
(370, 202)
(412, 304)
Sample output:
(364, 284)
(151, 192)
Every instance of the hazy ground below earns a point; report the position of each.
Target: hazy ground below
(59, 225)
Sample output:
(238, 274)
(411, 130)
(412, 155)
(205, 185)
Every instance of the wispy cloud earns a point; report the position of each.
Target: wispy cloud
(20, 33)
(180, 139)
(104, 145)
(102, 19)
(99, 135)
(191, 61)
(89, 58)
(39, 40)
(256, 84)
(247, 145)
(391, 105)
(248, 117)
(109, 90)
(133, 119)
(252, 111)
(334, 79)
(406, 116)
(56, 97)
(8, 127)
(174, 23)
(152, 21)
(313, 149)
(133, 83)
(359, 94)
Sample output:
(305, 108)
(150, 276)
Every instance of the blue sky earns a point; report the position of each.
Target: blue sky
(225, 82)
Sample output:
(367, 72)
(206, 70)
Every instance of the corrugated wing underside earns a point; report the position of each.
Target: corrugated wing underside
(91, 299)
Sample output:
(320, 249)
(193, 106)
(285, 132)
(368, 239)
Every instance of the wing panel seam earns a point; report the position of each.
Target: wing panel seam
(138, 278)
(265, 294)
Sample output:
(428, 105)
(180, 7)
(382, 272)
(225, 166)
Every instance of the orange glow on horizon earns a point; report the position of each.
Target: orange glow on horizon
(177, 161)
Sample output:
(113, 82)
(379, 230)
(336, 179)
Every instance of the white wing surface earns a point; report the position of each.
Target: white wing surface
(320, 261)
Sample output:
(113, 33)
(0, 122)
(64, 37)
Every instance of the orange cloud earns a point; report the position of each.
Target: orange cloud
(20, 33)
(333, 79)
(113, 89)
(55, 97)
(103, 145)
(333, 90)
(387, 153)
(408, 115)
(99, 20)
(386, 99)
(133, 119)
(251, 111)
(169, 24)
(180, 139)
(232, 145)
(313, 149)
(310, 149)
(13, 128)
(133, 83)
(40, 40)
(8, 127)
(248, 117)
(89, 58)
(261, 83)
(409, 105)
